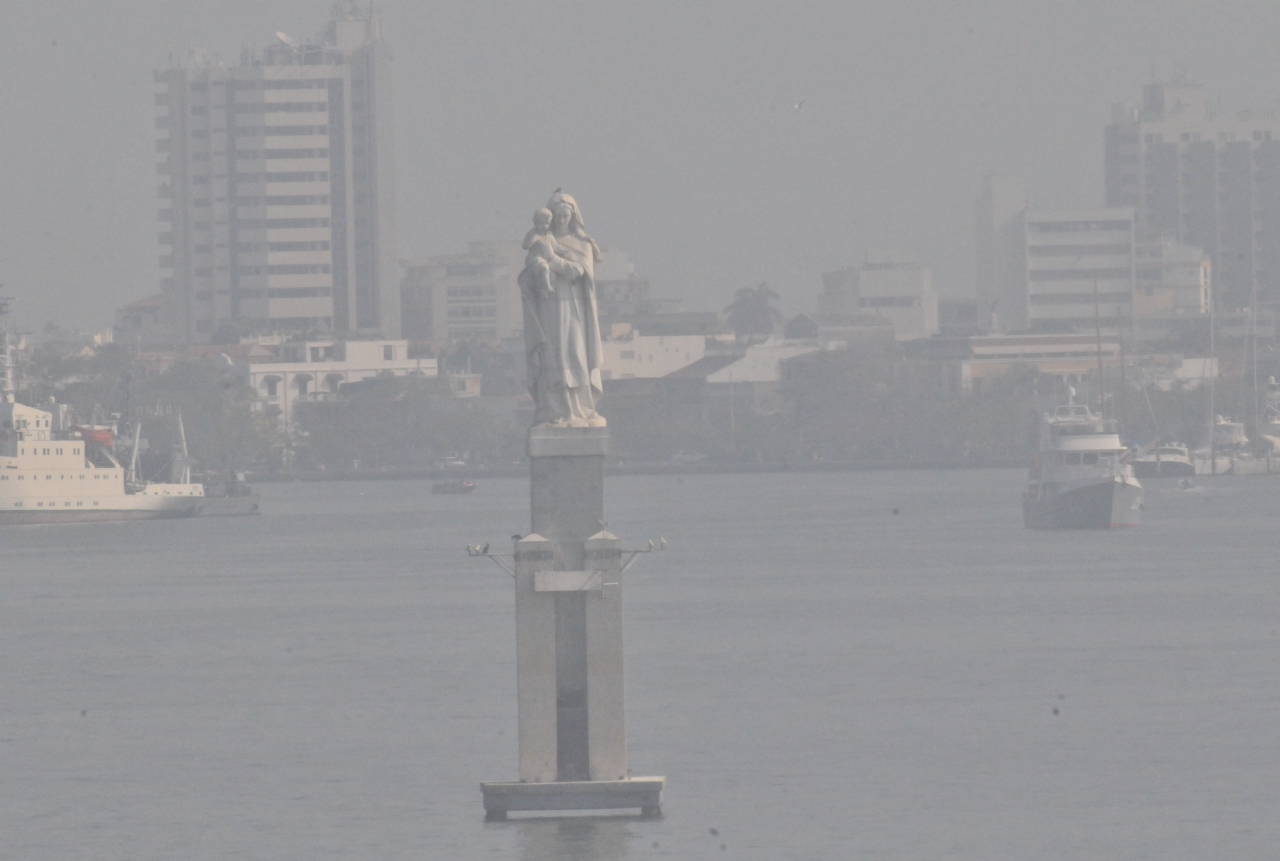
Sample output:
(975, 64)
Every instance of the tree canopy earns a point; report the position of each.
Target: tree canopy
(752, 311)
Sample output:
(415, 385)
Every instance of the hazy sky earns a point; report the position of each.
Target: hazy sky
(672, 123)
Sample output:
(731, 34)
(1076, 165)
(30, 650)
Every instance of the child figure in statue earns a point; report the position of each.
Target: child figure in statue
(542, 257)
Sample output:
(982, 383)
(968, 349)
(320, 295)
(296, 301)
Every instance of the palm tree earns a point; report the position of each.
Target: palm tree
(752, 313)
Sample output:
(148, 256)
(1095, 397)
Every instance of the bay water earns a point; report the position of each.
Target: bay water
(836, 665)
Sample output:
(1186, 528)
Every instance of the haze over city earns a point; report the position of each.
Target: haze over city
(913, 367)
(678, 123)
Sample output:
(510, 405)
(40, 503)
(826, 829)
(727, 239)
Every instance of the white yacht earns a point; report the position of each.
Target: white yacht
(1164, 459)
(1080, 478)
(50, 474)
(1228, 443)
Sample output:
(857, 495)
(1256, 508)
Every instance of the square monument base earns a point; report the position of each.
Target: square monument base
(642, 792)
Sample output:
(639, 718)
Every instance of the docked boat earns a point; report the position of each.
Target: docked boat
(1165, 459)
(1270, 428)
(55, 474)
(1080, 477)
(233, 497)
(1228, 444)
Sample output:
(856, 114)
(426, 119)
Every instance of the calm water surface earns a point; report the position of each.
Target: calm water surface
(816, 676)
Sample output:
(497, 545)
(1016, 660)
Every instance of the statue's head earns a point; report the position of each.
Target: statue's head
(562, 215)
(566, 219)
(542, 220)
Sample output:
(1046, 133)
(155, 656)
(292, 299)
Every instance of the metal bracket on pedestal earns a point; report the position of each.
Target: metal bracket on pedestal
(662, 545)
(500, 559)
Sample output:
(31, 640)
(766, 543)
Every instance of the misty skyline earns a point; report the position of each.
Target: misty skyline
(675, 127)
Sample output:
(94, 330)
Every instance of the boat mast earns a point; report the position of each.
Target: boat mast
(186, 462)
(133, 461)
(1097, 328)
(1253, 342)
(1213, 357)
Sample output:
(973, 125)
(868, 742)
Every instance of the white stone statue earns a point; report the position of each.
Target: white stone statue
(561, 326)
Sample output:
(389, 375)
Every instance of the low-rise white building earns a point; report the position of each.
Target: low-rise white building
(762, 363)
(897, 291)
(902, 293)
(316, 370)
(630, 355)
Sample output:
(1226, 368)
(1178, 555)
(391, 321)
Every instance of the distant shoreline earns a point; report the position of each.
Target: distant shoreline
(634, 468)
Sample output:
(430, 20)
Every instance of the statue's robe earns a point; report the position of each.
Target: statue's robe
(562, 339)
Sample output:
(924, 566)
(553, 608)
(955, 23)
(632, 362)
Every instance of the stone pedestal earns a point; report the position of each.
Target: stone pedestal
(569, 641)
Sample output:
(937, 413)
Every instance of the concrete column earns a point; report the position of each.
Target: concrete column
(572, 744)
(607, 736)
(567, 506)
(535, 662)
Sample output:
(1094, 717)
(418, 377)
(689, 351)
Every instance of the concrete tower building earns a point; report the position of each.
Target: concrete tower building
(1001, 267)
(1202, 180)
(277, 189)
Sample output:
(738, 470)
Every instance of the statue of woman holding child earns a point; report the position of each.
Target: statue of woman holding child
(561, 325)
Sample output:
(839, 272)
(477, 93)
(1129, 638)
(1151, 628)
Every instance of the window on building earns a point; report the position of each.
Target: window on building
(388, 352)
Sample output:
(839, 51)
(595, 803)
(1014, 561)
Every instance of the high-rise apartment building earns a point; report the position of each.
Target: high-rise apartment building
(1202, 180)
(278, 187)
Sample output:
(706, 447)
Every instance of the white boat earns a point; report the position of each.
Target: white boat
(53, 475)
(1080, 478)
(1228, 446)
(1164, 459)
(1270, 427)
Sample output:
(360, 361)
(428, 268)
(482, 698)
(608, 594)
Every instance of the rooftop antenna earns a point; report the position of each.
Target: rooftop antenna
(285, 39)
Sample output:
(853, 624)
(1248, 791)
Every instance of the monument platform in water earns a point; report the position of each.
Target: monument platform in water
(569, 658)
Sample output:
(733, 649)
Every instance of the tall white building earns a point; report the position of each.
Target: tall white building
(276, 187)
(1080, 269)
(1053, 270)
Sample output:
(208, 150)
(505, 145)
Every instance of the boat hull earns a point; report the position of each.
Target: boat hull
(27, 516)
(1163, 468)
(228, 506)
(1218, 465)
(1105, 504)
